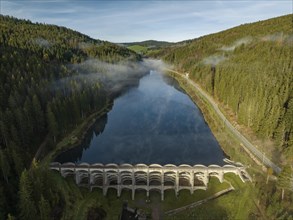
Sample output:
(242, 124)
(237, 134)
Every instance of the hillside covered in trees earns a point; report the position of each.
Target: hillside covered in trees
(249, 71)
(53, 78)
(45, 92)
(253, 75)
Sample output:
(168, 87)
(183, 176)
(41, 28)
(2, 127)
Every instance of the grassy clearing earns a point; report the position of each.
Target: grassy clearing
(237, 204)
(185, 198)
(138, 49)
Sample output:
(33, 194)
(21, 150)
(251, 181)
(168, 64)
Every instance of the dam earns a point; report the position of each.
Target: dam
(146, 177)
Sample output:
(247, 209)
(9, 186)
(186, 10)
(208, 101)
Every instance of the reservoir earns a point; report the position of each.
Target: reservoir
(155, 122)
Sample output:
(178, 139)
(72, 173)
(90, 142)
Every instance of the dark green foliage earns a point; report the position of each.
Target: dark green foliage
(149, 43)
(40, 95)
(5, 166)
(52, 123)
(254, 74)
(27, 206)
(44, 208)
(270, 195)
(58, 43)
(255, 80)
(285, 179)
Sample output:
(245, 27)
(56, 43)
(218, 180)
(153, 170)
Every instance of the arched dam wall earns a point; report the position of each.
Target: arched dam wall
(146, 177)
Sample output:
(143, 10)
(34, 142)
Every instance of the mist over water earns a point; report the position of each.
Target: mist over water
(153, 123)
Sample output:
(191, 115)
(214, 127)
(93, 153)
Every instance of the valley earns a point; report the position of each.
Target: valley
(216, 99)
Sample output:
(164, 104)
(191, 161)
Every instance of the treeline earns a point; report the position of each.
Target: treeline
(54, 43)
(253, 74)
(40, 96)
(249, 69)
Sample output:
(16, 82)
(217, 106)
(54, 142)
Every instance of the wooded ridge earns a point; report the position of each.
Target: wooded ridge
(248, 68)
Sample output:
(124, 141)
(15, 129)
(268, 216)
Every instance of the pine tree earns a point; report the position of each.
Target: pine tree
(52, 123)
(44, 208)
(26, 204)
(285, 179)
(39, 115)
(5, 166)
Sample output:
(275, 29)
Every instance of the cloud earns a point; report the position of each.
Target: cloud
(214, 59)
(237, 43)
(113, 77)
(274, 37)
(42, 42)
(126, 21)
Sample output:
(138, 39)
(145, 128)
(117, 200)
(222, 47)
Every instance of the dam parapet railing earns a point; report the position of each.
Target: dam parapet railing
(146, 177)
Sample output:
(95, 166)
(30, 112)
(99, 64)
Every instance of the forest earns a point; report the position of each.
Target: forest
(45, 92)
(253, 75)
(248, 70)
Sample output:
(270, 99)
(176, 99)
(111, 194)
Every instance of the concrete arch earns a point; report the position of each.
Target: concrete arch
(169, 179)
(229, 166)
(126, 182)
(84, 165)
(199, 166)
(214, 166)
(68, 172)
(185, 166)
(199, 173)
(231, 171)
(126, 178)
(97, 180)
(219, 175)
(184, 179)
(125, 165)
(170, 166)
(97, 165)
(155, 172)
(68, 164)
(140, 178)
(82, 177)
(55, 164)
(111, 165)
(155, 166)
(141, 165)
(112, 180)
(155, 189)
(155, 181)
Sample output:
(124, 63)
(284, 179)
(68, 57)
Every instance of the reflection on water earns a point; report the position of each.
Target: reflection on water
(153, 123)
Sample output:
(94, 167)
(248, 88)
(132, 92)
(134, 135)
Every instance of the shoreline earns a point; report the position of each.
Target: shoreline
(76, 136)
(215, 124)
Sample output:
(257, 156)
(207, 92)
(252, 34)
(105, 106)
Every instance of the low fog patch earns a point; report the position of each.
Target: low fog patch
(274, 37)
(42, 42)
(214, 60)
(112, 77)
(237, 43)
(156, 65)
(279, 37)
(85, 45)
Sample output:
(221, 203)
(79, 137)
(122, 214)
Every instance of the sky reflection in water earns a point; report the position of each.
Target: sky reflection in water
(154, 123)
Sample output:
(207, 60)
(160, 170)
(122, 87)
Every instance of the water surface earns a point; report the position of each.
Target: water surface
(153, 123)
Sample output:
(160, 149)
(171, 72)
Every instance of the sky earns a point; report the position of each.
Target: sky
(137, 20)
